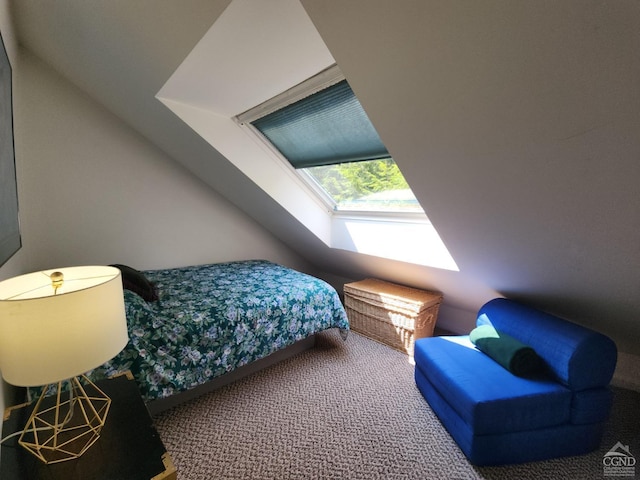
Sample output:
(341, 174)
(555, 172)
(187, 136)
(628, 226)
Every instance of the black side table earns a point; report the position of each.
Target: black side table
(129, 447)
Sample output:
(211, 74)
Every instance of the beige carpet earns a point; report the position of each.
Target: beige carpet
(346, 410)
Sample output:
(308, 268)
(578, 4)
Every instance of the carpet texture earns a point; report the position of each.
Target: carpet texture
(347, 410)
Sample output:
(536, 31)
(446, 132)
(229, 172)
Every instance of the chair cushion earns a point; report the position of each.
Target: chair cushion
(513, 447)
(579, 357)
(487, 397)
(591, 406)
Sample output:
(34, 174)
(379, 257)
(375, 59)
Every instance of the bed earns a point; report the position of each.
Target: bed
(207, 325)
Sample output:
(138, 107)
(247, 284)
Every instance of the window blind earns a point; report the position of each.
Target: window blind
(325, 128)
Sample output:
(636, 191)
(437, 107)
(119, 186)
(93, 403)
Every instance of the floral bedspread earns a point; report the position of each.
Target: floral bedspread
(211, 319)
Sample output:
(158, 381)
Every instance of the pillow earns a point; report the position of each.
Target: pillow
(136, 282)
(140, 313)
(512, 354)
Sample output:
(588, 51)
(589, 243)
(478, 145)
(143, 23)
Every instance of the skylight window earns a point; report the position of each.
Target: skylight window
(326, 135)
(376, 215)
(373, 185)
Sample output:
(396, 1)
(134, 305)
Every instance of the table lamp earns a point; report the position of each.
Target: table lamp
(54, 327)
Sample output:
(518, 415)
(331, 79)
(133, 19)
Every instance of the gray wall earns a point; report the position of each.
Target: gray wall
(517, 125)
(95, 191)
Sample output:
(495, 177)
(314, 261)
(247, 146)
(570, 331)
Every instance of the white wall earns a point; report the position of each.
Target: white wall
(94, 191)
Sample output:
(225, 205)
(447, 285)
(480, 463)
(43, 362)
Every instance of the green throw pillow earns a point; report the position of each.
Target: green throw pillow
(517, 357)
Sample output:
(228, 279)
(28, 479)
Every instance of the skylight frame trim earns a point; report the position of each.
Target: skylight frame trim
(378, 216)
(303, 179)
(324, 79)
(306, 180)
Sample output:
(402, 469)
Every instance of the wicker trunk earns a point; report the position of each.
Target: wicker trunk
(392, 314)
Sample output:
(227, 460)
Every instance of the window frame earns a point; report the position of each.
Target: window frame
(326, 78)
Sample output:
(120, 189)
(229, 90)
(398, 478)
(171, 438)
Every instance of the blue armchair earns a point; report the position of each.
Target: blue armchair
(497, 417)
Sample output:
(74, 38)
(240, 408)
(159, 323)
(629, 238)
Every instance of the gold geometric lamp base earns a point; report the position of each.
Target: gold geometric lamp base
(59, 324)
(63, 426)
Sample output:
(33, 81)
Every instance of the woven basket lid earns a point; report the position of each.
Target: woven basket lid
(393, 294)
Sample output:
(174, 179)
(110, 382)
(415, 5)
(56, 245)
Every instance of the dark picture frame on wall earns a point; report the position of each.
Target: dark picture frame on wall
(10, 240)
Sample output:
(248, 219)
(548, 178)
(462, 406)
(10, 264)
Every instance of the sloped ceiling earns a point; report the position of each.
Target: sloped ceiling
(517, 125)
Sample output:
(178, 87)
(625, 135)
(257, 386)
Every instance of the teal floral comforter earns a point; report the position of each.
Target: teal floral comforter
(212, 319)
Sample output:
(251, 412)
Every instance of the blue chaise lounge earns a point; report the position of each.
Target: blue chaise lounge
(497, 417)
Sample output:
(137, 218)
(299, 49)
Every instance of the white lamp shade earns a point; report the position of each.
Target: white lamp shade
(47, 337)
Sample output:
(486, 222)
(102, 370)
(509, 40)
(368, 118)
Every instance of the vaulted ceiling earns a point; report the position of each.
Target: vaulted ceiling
(517, 125)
